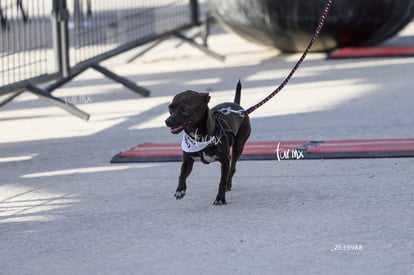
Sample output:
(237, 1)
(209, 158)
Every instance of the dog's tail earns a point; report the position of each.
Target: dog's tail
(238, 93)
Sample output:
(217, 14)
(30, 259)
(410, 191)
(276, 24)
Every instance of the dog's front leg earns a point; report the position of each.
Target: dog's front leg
(225, 172)
(186, 168)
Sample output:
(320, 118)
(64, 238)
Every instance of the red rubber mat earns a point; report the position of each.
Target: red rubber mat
(161, 152)
(282, 150)
(363, 148)
(360, 52)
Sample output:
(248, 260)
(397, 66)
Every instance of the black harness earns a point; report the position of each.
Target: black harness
(221, 131)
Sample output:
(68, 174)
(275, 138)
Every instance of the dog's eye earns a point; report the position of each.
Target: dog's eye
(185, 111)
(170, 108)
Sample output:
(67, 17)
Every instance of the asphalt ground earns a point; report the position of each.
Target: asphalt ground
(64, 209)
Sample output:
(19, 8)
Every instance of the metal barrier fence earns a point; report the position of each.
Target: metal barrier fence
(114, 23)
(56, 40)
(24, 42)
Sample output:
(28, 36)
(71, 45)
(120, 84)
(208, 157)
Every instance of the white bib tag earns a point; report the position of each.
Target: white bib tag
(191, 145)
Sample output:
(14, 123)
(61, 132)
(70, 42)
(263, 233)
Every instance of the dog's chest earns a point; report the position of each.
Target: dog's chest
(205, 149)
(205, 157)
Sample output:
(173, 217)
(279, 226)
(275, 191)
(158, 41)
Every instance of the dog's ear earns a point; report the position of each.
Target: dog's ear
(206, 97)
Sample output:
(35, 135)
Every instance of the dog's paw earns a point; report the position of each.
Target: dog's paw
(229, 186)
(220, 202)
(179, 194)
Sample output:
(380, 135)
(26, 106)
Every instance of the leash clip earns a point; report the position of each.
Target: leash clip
(229, 110)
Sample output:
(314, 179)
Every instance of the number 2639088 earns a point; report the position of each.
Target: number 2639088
(348, 247)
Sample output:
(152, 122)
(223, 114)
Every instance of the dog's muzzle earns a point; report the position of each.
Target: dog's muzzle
(173, 125)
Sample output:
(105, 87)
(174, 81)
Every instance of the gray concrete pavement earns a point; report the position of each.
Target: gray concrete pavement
(65, 210)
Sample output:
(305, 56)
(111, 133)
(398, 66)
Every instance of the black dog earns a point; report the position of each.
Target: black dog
(209, 135)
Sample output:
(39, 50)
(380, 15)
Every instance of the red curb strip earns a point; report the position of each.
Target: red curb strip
(271, 150)
(360, 52)
(374, 148)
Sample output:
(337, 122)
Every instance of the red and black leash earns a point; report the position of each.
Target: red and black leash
(314, 37)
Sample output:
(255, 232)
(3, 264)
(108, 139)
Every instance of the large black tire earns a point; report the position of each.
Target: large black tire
(289, 24)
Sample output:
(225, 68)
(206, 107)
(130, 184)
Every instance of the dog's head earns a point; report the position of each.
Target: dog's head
(187, 110)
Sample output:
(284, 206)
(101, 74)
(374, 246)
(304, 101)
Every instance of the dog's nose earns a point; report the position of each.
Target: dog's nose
(169, 121)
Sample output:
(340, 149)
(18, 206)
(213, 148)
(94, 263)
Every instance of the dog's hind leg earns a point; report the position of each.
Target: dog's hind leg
(237, 151)
(225, 171)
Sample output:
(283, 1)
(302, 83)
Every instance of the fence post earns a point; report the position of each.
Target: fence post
(60, 17)
(194, 12)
